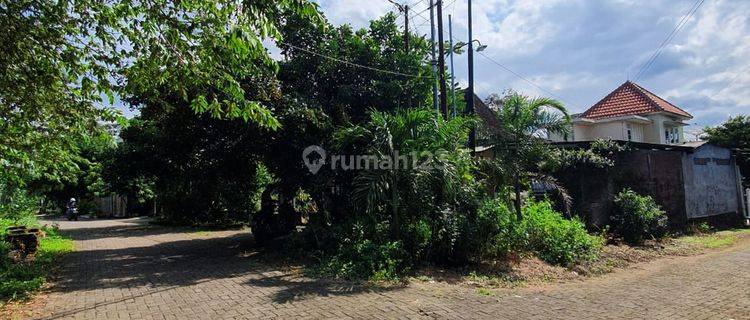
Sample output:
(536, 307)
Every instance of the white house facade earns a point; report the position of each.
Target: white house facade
(630, 113)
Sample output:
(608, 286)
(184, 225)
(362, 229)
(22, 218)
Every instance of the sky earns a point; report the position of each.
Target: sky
(580, 50)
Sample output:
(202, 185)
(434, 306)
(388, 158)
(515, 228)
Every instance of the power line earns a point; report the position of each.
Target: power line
(450, 4)
(419, 14)
(731, 82)
(681, 24)
(354, 64)
(522, 77)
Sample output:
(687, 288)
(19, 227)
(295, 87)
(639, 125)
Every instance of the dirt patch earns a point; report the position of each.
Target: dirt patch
(514, 273)
(531, 271)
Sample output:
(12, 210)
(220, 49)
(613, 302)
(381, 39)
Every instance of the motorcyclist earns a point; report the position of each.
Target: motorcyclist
(72, 209)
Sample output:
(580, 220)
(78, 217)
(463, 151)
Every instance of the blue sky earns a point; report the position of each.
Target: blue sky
(581, 50)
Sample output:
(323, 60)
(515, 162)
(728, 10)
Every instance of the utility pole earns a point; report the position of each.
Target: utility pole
(432, 46)
(406, 46)
(406, 28)
(470, 89)
(453, 76)
(405, 9)
(441, 62)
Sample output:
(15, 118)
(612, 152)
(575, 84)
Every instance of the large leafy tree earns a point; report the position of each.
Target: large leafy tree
(419, 182)
(734, 133)
(61, 57)
(519, 143)
(348, 72)
(185, 156)
(332, 77)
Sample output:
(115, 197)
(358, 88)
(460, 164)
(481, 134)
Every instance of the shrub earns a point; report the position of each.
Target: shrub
(543, 231)
(18, 280)
(359, 256)
(497, 233)
(556, 239)
(637, 217)
(17, 205)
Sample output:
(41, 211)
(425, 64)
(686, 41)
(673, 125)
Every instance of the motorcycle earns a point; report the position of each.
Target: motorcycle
(72, 214)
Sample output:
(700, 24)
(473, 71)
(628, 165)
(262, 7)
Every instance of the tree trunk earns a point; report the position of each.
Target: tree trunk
(516, 173)
(395, 226)
(517, 202)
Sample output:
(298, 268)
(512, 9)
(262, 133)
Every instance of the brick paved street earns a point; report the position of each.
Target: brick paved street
(124, 270)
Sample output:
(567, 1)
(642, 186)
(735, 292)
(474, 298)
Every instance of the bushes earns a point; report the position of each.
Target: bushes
(18, 280)
(493, 233)
(361, 256)
(637, 217)
(555, 239)
(497, 233)
(17, 206)
(543, 232)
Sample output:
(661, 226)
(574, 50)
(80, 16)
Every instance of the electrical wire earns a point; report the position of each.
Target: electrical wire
(517, 75)
(354, 64)
(734, 79)
(680, 25)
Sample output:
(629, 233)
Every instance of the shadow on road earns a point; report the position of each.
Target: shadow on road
(141, 259)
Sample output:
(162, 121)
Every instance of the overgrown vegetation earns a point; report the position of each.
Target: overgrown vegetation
(18, 279)
(542, 231)
(637, 217)
(222, 127)
(734, 134)
(555, 239)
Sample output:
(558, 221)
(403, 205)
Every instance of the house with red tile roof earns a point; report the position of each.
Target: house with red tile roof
(630, 113)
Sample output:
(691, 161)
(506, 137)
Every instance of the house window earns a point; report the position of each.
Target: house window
(629, 130)
(672, 135)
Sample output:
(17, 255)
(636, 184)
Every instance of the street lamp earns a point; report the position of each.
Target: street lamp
(460, 45)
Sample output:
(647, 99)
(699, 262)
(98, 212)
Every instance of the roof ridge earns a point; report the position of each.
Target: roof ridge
(631, 98)
(609, 95)
(642, 89)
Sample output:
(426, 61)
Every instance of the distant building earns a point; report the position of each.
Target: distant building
(695, 180)
(629, 113)
(689, 180)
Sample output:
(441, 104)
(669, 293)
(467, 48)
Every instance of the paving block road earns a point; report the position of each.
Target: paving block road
(126, 269)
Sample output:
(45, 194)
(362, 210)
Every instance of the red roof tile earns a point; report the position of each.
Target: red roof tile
(631, 99)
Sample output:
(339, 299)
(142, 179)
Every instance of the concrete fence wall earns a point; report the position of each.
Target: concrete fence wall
(686, 183)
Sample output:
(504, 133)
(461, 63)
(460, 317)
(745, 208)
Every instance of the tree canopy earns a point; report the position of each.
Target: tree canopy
(735, 134)
(63, 59)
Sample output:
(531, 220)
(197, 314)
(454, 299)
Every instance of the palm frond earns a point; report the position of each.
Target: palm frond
(370, 189)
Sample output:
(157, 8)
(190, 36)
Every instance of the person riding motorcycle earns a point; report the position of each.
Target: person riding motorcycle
(72, 209)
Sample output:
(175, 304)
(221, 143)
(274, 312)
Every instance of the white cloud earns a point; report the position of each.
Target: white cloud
(354, 12)
(581, 50)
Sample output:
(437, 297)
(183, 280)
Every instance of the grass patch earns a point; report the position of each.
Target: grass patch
(484, 292)
(19, 280)
(201, 234)
(715, 240)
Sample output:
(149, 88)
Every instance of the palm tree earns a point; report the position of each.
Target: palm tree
(398, 188)
(524, 124)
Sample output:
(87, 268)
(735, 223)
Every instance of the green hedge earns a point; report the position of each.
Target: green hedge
(637, 218)
(542, 232)
(19, 280)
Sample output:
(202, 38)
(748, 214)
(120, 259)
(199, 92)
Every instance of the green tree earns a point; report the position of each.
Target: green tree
(404, 186)
(324, 65)
(184, 156)
(520, 143)
(61, 57)
(735, 134)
